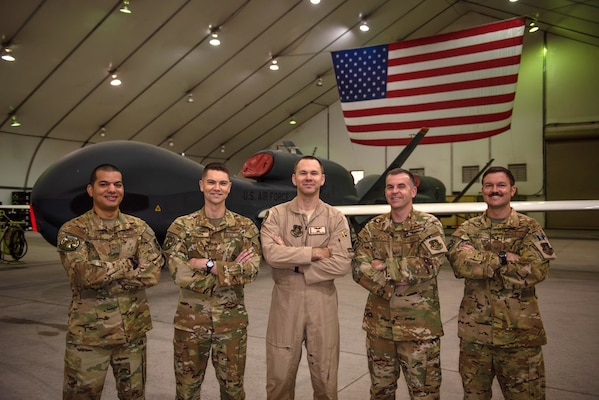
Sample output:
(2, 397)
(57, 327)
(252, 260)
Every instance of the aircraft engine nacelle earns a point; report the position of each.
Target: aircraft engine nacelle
(159, 185)
(430, 190)
(277, 165)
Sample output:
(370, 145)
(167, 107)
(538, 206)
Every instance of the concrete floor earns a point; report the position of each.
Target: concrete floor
(34, 296)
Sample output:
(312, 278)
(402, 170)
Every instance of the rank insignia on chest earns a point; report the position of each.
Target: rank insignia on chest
(296, 231)
(317, 230)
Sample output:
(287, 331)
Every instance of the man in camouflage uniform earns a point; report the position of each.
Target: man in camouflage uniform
(110, 258)
(307, 244)
(398, 257)
(501, 255)
(213, 253)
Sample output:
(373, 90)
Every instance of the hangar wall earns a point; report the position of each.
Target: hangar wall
(557, 85)
(553, 90)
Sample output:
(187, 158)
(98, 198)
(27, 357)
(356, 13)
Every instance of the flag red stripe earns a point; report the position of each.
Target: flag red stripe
(440, 105)
(460, 51)
(480, 30)
(455, 69)
(431, 123)
(433, 139)
(449, 87)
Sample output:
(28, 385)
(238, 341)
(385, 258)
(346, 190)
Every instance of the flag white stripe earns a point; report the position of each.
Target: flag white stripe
(430, 115)
(453, 61)
(489, 37)
(453, 78)
(427, 98)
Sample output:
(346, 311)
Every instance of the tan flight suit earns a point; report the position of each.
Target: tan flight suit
(304, 306)
(500, 324)
(109, 314)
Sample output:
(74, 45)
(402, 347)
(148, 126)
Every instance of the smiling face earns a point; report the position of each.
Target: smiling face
(308, 177)
(216, 187)
(107, 193)
(498, 191)
(399, 191)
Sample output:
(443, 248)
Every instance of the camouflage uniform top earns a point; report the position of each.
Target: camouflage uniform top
(403, 303)
(499, 305)
(109, 304)
(208, 303)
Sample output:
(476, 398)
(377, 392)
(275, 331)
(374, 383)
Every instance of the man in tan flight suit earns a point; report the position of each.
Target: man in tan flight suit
(307, 244)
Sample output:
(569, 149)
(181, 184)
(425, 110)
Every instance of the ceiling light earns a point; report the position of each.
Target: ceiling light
(364, 26)
(114, 80)
(319, 82)
(102, 132)
(315, 1)
(532, 27)
(214, 41)
(125, 8)
(171, 143)
(190, 98)
(13, 121)
(222, 148)
(7, 54)
(292, 121)
(274, 65)
(513, 1)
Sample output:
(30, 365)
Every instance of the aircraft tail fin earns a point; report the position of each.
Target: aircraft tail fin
(472, 181)
(377, 188)
(291, 147)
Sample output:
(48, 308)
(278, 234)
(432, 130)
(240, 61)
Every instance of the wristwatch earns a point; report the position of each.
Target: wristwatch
(209, 265)
(503, 257)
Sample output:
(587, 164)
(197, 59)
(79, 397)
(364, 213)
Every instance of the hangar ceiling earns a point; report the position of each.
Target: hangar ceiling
(65, 52)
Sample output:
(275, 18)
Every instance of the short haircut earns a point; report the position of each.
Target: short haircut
(102, 167)
(308, 158)
(397, 171)
(496, 169)
(215, 166)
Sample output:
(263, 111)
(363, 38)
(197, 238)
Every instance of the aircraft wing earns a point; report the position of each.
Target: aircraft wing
(475, 207)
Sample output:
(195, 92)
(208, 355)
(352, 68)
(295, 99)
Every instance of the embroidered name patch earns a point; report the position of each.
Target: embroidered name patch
(317, 230)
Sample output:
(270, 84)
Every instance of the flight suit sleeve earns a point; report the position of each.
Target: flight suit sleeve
(279, 255)
(231, 273)
(83, 264)
(533, 265)
(177, 253)
(339, 263)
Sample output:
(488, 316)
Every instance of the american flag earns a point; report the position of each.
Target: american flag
(461, 85)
